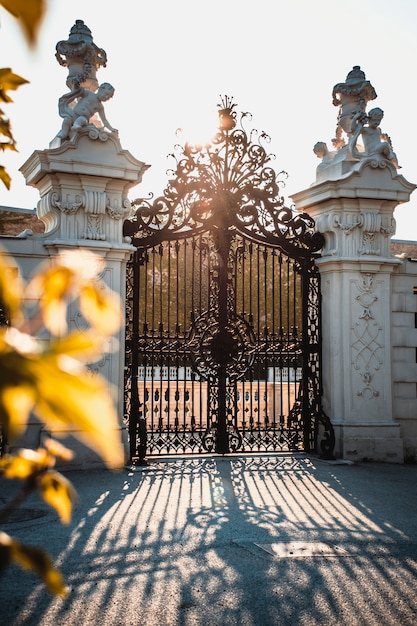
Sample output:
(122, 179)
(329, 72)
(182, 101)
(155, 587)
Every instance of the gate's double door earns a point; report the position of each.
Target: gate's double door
(223, 333)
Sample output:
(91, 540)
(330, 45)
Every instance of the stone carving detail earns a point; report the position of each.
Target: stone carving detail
(93, 228)
(95, 208)
(95, 202)
(389, 230)
(83, 106)
(368, 244)
(346, 227)
(322, 152)
(367, 230)
(67, 207)
(371, 225)
(366, 346)
(376, 144)
(98, 133)
(119, 212)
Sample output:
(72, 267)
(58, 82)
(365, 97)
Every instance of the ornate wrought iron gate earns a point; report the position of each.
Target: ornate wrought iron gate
(223, 309)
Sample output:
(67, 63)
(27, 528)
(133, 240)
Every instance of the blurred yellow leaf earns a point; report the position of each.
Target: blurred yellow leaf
(59, 493)
(5, 551)
(33, 558)
(29, 13)
(25, 463)
(16, 402)
(85, 264)
(54, 286)
(50, 379)
(56, 448)
(71, 276)
(54, 313)
(11, 287)
(60, 391)
(85, 346)
(17, 382)
(101, 308)
(8, 145)
(16, 342)
(81, 402)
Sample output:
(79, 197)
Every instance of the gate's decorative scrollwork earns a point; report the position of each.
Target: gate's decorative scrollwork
(227, 184)
(229, 309)
(212, 346)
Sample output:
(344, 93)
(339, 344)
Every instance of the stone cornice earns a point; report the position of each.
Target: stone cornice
(363, 180)
(90, 154)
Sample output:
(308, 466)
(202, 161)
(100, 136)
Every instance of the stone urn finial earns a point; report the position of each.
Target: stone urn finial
(82, 108)
(82, 57)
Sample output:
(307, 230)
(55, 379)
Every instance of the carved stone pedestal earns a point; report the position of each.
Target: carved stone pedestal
(83, 186)
(355, 214)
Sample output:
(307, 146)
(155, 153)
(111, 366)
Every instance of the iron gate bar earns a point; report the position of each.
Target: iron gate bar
(224, 199)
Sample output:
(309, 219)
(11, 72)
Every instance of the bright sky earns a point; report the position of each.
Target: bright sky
(171, 60)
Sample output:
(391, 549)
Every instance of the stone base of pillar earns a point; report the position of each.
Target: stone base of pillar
(369, 442)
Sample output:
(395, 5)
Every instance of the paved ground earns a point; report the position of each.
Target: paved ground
(245, 541)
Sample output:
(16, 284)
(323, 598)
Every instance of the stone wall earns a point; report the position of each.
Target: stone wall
(404, 354)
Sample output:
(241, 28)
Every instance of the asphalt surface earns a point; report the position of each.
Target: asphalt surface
(225, 541)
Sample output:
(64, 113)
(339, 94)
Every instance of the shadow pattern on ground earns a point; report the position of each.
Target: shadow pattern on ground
(227, 541)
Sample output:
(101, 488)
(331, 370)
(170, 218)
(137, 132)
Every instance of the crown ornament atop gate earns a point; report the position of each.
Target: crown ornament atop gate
(225, 185)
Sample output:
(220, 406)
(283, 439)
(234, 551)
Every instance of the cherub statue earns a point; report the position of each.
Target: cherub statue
(351, 97)
(375, 142)
(322, 152)
(327, 158)
(88, 103)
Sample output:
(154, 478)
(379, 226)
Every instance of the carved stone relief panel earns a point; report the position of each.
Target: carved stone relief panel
(349, 233)
(367, 347)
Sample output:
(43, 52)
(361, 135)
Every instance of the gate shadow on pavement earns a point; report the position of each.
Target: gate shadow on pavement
(224, 541)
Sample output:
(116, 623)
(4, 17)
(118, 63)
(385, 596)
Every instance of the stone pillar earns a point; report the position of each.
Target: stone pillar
(353, 206)
(83, 186)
